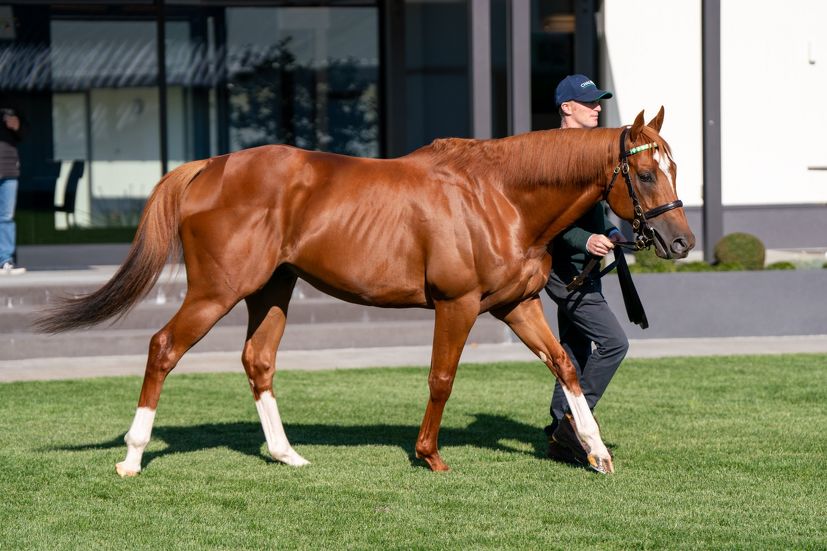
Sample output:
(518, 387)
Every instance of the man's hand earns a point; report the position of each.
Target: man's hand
(12, 122)
(599, 245)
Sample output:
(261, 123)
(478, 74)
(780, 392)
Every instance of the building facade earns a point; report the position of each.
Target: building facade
(115, 93)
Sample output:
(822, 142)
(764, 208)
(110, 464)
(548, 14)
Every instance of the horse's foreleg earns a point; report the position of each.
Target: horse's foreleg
(187, 326)
(267, 318)
(527, 321)
(453, 322)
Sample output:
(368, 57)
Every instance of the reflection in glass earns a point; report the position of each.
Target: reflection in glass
(104, 84)
(304, 76)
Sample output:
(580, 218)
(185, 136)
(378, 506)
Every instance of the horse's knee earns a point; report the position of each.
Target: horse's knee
(440, 386)
(260, 369)
(565, 371)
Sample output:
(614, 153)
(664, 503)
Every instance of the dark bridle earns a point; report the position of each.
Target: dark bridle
(644, 234)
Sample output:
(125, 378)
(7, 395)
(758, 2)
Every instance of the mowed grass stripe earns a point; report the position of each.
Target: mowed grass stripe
(710, 453)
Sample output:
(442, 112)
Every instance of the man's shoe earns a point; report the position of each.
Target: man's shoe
(549, 429)
(559, 452)
(566, 437)
(8, 268)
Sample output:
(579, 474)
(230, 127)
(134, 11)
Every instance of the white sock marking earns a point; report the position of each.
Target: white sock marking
(277, 444)
(136, 440)
(586, 426)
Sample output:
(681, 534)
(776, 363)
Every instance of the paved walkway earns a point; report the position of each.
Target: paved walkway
(107, 366)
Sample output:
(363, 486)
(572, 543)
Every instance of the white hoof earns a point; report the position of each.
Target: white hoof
(290, 457)
(124, 469)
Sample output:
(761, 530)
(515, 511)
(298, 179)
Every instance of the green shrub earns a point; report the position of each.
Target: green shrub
(729, 267)
(741, 248)
(781, 265)
(647, 261)
(824, 265)
(695, 266)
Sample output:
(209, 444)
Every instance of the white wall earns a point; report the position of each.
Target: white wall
(773, 82)
(772, 102)
(651, 54)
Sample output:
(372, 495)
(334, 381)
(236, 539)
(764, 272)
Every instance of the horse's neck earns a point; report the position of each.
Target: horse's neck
(557, 158)
(554, 177)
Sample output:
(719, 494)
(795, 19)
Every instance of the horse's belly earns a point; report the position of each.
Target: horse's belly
(365, 290)
(364, 282)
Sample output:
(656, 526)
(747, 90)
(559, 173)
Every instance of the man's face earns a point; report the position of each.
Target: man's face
(581, 114)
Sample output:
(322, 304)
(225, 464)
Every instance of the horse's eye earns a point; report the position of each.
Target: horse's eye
(646, 177)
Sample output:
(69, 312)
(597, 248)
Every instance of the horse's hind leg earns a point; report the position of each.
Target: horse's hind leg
(453, 322)
(192, 321)
(527, 321)
(267, 318)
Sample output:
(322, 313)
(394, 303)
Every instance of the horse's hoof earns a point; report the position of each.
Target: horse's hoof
(434, 462)
(124, 471)
(602, 465)
(290, 457)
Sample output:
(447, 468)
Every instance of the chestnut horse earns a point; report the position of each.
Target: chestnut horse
(460, 226)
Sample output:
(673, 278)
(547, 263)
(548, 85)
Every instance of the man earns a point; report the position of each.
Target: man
(9, 172)
(583, 315)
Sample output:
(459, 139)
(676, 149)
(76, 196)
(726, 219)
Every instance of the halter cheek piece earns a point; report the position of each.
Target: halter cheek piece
(644, 234)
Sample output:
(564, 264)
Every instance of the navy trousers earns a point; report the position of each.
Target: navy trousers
(584, 317)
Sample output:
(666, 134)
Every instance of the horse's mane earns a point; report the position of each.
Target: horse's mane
(564, 158)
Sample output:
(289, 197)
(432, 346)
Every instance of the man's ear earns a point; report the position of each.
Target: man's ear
(565, 108)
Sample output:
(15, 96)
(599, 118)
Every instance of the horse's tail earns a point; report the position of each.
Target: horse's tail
(155, 241)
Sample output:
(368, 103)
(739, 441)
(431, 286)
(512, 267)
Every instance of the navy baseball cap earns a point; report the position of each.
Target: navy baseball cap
(579, 88)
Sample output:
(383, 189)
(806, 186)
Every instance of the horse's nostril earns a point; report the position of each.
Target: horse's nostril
(679, 246)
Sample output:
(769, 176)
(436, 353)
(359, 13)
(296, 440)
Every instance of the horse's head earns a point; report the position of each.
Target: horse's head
(647, 196)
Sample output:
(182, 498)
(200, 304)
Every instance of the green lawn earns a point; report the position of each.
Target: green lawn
(711, 453)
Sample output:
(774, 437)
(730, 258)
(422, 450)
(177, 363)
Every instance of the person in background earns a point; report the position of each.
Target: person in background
(583, 315)
(10, 135)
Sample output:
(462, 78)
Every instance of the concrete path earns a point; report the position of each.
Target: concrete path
(349, 358)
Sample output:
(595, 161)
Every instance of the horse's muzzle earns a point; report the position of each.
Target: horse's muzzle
(680, 247)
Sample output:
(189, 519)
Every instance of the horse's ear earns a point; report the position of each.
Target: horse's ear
(635, 130)
(657, 122)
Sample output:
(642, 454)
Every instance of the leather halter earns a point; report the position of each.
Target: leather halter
(644, 234)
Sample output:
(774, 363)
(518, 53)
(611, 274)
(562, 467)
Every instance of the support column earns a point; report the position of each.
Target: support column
(161, 55)
(480, 25)
(519, 66)
(713, 215)
(392, 62)
(585, 38)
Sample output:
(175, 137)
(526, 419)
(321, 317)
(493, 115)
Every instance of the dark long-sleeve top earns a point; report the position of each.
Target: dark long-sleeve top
(9, 159)
(568, 252)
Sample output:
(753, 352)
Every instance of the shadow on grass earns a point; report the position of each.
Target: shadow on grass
(485, 431)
